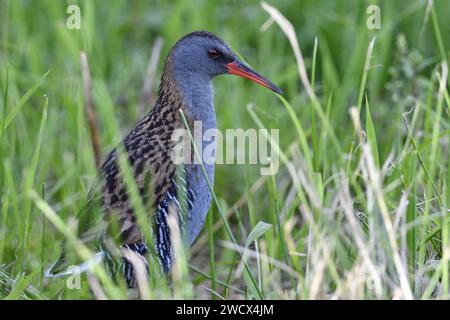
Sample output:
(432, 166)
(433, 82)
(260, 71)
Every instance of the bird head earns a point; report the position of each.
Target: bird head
(207, 55)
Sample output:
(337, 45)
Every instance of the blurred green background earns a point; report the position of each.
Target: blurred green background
(118, 37)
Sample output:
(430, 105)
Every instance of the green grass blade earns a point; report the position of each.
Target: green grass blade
(16, 109)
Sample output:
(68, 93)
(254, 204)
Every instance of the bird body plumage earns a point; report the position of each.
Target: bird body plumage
(149, 147)
(186, 85)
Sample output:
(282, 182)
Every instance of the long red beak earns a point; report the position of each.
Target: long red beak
(238, 68)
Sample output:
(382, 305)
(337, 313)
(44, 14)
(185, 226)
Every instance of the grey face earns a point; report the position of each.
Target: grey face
(206, 55)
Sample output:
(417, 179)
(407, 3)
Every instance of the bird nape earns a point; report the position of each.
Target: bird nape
(186, 85)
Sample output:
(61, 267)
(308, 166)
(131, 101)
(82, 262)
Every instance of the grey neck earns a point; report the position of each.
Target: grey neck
(197, 92)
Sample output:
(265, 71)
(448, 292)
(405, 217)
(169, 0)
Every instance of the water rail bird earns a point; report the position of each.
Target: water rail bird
(186, 84)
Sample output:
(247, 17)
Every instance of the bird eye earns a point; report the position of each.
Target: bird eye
(213, 53)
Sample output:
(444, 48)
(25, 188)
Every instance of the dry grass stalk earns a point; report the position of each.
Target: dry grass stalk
(90, 108)
(375, 184)
(147, 96)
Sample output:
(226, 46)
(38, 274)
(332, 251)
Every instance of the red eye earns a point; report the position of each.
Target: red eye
(213, 53)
